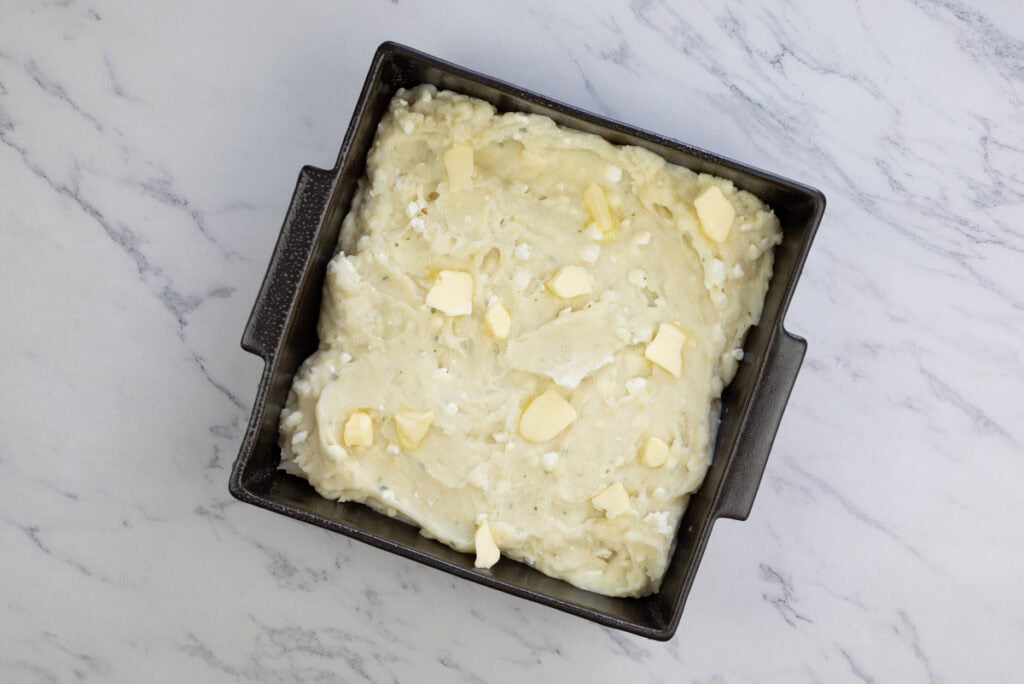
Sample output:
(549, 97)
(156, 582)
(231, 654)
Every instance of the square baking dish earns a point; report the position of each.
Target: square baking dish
(282, 331)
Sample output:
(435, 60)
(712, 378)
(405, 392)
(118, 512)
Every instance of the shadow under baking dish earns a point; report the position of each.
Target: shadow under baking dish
(282, 330)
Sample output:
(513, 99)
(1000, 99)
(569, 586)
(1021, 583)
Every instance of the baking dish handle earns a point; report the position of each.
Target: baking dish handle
(269, 315)
(778, 375)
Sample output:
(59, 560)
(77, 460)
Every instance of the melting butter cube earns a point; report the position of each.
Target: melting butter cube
(571, 281)
(498, 322)
(487, 552)
(613, 500)
(458, 162)
(654, 453)
(545, 417)
(596, 203)
(666, 349)
(412, 426)
(716, 213)
(452, 293)
(359, 429)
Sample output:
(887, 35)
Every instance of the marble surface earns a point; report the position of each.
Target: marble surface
(148, 155)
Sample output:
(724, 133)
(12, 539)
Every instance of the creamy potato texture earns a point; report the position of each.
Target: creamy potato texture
(524, 334)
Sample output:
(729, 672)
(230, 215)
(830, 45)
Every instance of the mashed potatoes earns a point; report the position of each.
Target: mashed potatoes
(524, 334)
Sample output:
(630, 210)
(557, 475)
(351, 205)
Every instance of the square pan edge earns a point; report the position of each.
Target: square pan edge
(240, 491)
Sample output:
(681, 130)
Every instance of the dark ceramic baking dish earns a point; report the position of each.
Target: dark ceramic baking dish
(282, 331)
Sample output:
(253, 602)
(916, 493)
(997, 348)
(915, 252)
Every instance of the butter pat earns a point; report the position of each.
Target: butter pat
(571, 281)
(498, 322)
(654, 453)
(545, 417)
(412, 426)
(487, 552)
(716, 213)
(666, 350)
(458, 162)
(359, 429)
(596, 204)
(452, 293)
(613, 500)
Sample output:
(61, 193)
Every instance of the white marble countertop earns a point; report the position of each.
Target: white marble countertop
(148, 155)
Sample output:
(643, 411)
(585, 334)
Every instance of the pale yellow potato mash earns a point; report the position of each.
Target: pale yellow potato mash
(524, 335)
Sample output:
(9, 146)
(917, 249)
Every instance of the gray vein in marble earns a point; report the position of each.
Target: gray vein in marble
(620, 54)
(601, 104)
(326, 654)
(907, 625)
(34, 535)
(851, 600)
(123, 236)
(85, 663)
(861, 515)
(200, 363)
(162, 190)
(57, 90)
(785, 597)
(946, 393)
(537, 645)
(115, 84)
(28, 668)
(980, 37)
(855, 668)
